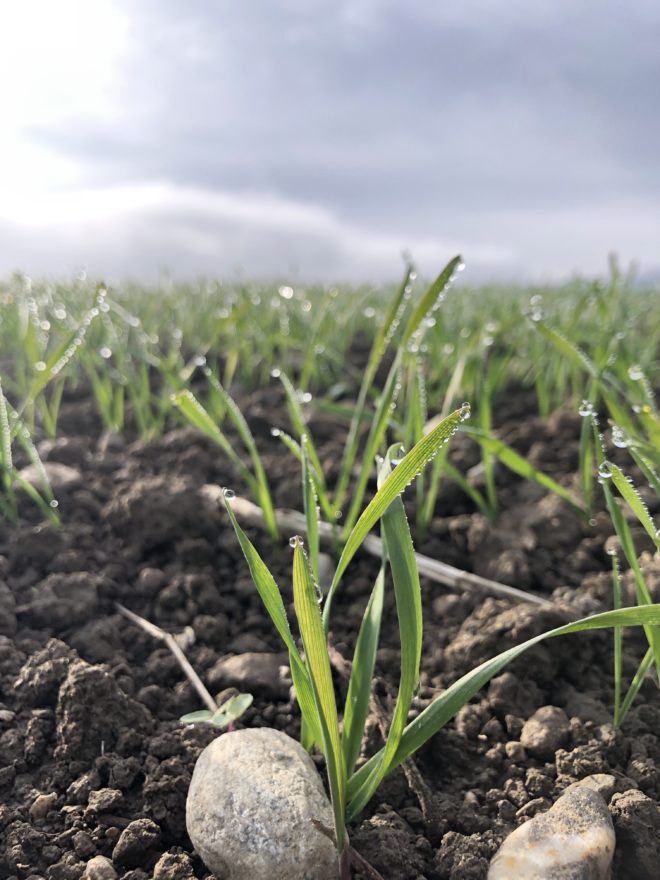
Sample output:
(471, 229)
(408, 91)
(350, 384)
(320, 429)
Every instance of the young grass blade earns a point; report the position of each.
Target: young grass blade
(374, 440)
(272, 600)
(635, 685)
(645, 467)
(197, 416)
(236, 416)
(430, 299)
(356, 709)
(642, 593)
(383, 336)
(618, 638)
(405, 472)
(519, 465)
(566, 348)
(317, 661)
(7, 493)
(44, 499)
(311, 509)
(396, 535)
(298, 421)
(294, 448)
(65, 351)
(634, 501)
(444, 707)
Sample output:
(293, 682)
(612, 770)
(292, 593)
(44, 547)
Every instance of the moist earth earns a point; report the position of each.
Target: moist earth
(94, 764)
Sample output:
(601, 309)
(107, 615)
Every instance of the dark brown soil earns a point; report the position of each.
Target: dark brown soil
(93, 760)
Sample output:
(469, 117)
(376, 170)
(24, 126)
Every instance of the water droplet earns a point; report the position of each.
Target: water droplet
(199, 360)
(604, 471)
(104, 307)
(44, 325)
(276, 373)
(59, 313)
(306, 305)
(610, 550)
(40, 366)
(229, 494)
(460, 267)
(592, 522)
(465, 411)
(619, 437)
(294, 541)
(105, 352)
(304, 396)
(635, 372)
(369, 312)
(54, 503)
(536, 314)
(586, 409)
(275, 432)
(286, 292)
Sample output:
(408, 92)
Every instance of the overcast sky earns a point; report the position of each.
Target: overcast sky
(322, 137)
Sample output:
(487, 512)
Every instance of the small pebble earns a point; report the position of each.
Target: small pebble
(135, 840)
(83, 844)
(105, 800)
(515, 751)
(545, 732)
(42, 805)
(603, 783)
(251, 802)
(99, 868)
(573, 840)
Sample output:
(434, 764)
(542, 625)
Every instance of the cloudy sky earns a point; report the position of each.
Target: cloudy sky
(322, 137)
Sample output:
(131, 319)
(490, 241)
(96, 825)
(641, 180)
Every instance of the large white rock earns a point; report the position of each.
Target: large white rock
(252, 799)
(574, 840)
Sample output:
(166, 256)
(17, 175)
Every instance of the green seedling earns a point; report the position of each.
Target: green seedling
(13, 430)
(256, 480)
(610, 475)
(225, 716)
(352, 787)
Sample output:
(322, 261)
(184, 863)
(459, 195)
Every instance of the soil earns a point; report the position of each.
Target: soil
(93, 759)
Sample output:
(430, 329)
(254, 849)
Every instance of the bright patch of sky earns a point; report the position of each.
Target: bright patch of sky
(321, 139)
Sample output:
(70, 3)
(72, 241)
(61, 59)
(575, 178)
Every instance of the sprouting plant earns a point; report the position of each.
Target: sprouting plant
(609, 473)
(351, 787)
(225, 716)
(13, 430)
(197, 415)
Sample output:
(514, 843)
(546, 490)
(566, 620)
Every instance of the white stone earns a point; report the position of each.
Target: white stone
(253, 797)
(99, 868)
(573, 840)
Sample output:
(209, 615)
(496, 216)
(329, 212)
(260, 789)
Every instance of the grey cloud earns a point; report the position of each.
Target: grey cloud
(411, 120)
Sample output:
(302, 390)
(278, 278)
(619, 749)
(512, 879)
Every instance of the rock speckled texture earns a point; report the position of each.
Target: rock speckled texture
(545, 731)
(573, 840)
(252, 799)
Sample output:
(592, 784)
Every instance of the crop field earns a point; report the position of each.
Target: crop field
(394, 522)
